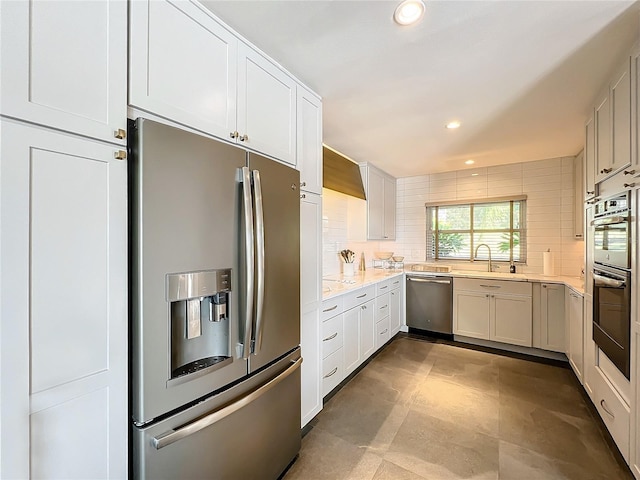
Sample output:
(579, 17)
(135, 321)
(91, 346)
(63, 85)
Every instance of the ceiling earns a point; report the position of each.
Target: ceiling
(521, 76)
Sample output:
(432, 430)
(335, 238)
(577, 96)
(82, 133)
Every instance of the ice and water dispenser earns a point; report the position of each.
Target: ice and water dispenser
(200, 325)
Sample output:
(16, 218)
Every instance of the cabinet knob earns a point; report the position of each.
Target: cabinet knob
(629, 185)
(303, 196)
(243, 138)
(629, 172)
(591, 193)
(119, 154)
(303, 184)
(233, 134)
(120, 133)
(544, 286)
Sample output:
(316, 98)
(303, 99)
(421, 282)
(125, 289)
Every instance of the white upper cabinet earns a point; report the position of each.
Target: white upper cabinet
(309, 141)
(266, 120)
(189, 68)
(635, 113)
(613, 124)
(182, 66)
(64, 65)
(589, 160)
(380, 189)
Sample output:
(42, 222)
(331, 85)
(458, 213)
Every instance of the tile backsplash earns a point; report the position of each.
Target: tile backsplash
(548, 185)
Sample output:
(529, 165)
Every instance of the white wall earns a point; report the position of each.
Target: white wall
(548, 185)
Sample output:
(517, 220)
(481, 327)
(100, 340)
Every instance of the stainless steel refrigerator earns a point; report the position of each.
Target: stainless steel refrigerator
(215, 322)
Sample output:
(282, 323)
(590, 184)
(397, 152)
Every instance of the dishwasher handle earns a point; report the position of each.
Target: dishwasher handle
(427, 280)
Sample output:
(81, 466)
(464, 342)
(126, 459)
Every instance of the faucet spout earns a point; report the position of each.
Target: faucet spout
(488, 248)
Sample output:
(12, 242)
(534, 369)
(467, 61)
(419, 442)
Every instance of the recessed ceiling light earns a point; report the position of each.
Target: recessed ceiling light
(470, 162)
(452, 125)
(409, 12)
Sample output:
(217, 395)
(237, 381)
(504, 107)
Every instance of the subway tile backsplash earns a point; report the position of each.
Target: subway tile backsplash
(547, 183)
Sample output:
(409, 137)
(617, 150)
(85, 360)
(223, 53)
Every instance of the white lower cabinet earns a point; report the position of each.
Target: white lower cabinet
(575, 343)
(552, 317)
(395, 311)
(493, 310)
(311, 369)
(382, 332)
(332, 371)
(352, 339)
(367, 330)
(63, 306)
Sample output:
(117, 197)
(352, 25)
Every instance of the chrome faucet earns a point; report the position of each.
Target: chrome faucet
(476, 254)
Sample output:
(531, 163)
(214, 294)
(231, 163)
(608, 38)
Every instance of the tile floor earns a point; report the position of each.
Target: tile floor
(425, 410)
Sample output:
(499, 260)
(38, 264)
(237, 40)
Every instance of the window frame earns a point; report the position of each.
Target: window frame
(434, 207)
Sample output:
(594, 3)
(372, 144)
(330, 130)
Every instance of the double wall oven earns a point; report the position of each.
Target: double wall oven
(611, 228)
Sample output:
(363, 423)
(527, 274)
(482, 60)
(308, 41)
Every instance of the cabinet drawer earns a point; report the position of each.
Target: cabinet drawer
(492, 286)
(381, 307)
(332, 335)
(382, 332)
(331, 307)
(359, 296)
(395, 282)
(332, 371)
(383, 287)
(613, 411)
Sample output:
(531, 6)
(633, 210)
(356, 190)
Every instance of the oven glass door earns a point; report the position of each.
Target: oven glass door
(611, 315)
(611, 242)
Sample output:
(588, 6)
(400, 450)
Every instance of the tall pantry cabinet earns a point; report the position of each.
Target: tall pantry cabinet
(63, 244)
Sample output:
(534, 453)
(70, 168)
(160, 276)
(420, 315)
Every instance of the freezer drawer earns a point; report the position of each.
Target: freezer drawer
(251, 431)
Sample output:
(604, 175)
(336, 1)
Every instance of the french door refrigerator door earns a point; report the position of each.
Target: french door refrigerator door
(251, 431)
(185, 208)
(277, 306)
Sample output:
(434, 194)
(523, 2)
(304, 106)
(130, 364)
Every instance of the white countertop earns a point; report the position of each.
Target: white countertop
(337, 284)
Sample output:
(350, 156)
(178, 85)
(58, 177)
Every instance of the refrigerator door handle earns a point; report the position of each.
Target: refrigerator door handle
(172, 436)
(259, 233)
(247, 218)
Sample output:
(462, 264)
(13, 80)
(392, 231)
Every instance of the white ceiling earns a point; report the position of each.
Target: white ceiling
(519, 75)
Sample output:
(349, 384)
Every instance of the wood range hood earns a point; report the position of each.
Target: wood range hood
(341, 174)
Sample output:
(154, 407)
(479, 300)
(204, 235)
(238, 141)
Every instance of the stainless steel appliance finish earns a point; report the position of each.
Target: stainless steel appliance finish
(430, 303)
(215, 305)
(612, 232)
(611, 315)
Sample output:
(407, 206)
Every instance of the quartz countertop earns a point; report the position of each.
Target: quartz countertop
(337, 284)
(333, 285)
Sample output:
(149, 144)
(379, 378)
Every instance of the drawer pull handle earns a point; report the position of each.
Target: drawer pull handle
(629, 185)
(362, 296)
(363, 307)
(490, 286)
(330, 337)
(384, 331)
(604, 407)
(629, 172)
(329, 309)
(331, 373)
(383, 306)
(382, 288)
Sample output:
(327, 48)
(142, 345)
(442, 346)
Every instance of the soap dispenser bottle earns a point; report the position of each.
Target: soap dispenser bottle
(512, 267)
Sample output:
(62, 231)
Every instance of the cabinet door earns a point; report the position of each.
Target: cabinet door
(351, 346)
(603, 138)
(367, 330)
(621, 118)
(389, 208)
(394, 313)
(64, 65)
(310, 252)
(63, 306)
(382, 332)
(552, 325)
(471, 314)
(266, 106)
(309, 141)
(589, 159)
(576, 330)
(375, 204)
(182, 65)
(511, 320)
(311, 369)
(590, 348)
(635, 113)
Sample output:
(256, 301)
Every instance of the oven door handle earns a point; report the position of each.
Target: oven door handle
(601, 281)
(609, 220)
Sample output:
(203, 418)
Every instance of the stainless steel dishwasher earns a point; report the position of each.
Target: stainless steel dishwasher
(430, 303)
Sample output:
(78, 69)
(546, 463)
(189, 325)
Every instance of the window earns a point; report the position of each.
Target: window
(454, 231)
